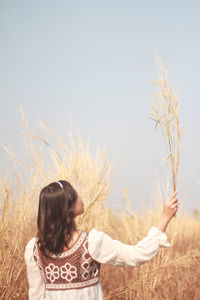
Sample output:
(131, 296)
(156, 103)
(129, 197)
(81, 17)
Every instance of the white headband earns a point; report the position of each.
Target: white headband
(60, 184)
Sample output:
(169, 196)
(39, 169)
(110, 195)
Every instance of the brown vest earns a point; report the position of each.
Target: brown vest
(72, 269)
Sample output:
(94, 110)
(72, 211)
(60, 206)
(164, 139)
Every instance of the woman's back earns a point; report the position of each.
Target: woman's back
(72, 274)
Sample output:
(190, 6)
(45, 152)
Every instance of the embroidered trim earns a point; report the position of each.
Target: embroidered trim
(72, 285)
(71, 250)
(89, 267)
(37, 260)
(36, 257)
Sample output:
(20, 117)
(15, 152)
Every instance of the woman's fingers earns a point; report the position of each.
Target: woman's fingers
(174, 200)
(173, 196)
(172, 204)
(175, 205)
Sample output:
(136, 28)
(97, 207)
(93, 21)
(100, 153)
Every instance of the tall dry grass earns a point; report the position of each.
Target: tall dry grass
(172, 274)
(165, 113)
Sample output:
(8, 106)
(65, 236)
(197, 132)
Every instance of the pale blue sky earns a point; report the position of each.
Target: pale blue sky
(93, 62)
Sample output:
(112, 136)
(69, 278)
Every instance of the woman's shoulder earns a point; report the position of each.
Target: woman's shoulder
(96, 237)
(28, 253)
(101, 245)
(97, 233)
(31, 243)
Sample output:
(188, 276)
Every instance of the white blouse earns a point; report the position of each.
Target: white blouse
(104, 250)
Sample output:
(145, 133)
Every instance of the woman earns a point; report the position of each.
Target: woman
(64, 263)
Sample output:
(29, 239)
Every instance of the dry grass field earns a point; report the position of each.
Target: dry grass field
(173, 274)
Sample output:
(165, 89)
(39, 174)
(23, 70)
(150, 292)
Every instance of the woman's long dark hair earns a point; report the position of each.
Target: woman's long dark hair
(55, 216)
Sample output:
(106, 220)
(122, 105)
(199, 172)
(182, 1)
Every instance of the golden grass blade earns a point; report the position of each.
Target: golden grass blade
(164, 112)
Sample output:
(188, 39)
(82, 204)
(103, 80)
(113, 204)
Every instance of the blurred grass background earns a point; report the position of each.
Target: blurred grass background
(173, 274)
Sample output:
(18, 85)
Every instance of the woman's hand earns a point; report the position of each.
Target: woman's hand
(170, 206)
(169, 210)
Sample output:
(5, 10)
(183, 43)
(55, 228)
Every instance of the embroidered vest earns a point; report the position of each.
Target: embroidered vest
(72, 269)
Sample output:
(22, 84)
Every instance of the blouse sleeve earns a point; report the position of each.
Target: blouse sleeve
(35, 279)
(108, 251)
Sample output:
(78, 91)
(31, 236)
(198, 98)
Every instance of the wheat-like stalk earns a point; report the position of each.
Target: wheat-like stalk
(165, 113)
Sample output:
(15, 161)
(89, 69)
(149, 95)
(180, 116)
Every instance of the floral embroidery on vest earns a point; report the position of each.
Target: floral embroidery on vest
(72, 269)
(52, 272)
(68, 272)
